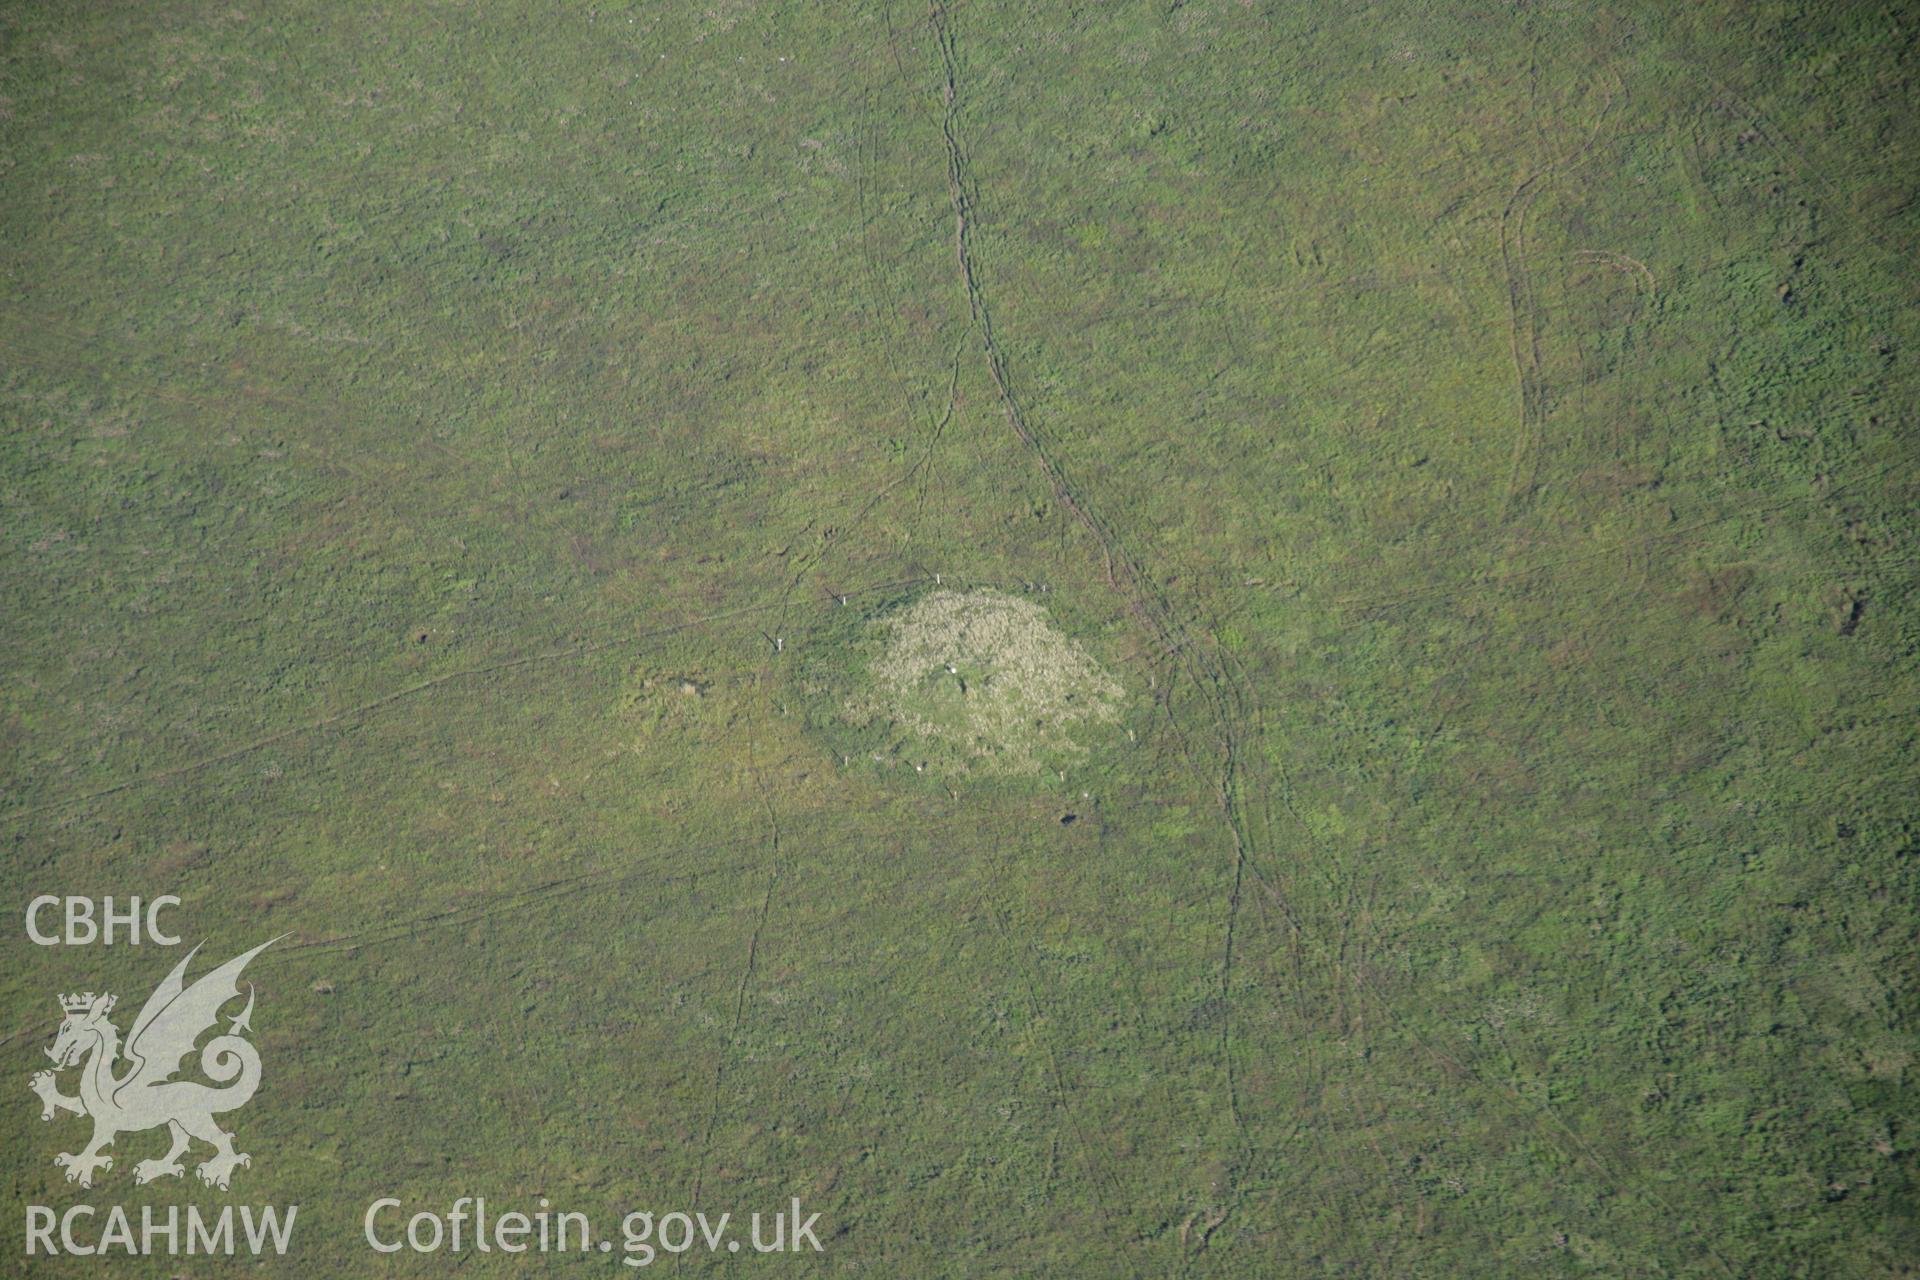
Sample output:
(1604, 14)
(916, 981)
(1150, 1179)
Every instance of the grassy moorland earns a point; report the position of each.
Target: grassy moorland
(460, 462)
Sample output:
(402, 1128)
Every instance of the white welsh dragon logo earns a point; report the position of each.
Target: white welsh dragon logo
(145, 1095)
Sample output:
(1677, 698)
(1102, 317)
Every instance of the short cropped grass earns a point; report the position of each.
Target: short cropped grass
(460, 462)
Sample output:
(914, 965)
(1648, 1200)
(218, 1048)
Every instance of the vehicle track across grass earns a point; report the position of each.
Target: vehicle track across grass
(1195, 653)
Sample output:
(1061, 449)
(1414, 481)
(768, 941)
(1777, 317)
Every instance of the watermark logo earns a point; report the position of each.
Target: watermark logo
(129, 1088)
